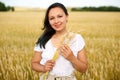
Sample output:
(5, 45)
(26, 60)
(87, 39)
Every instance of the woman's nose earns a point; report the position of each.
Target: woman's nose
(56, 20)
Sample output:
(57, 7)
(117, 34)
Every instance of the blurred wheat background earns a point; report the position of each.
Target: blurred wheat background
(20, 30)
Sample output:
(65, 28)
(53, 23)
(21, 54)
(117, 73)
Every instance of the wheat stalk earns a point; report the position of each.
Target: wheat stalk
(66, 39)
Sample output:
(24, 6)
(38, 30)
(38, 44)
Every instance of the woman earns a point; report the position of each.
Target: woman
(70, 58)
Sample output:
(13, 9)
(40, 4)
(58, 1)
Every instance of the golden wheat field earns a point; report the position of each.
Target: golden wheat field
(20, 30)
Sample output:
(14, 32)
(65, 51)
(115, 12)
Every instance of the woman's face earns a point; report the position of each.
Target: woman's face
(57, 19)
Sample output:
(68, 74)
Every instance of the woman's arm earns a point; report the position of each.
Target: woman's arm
(36, 62)
(39, 67)
(79, 63)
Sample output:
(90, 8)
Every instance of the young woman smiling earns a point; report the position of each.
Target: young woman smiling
(71, 57)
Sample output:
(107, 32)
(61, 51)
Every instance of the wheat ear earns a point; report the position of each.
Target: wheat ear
(56, 54)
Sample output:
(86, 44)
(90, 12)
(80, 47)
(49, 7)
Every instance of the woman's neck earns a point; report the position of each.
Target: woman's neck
(60, 33)
(56, 38)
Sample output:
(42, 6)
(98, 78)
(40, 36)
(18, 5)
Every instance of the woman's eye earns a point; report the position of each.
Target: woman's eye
(51, 18)
(60, 16)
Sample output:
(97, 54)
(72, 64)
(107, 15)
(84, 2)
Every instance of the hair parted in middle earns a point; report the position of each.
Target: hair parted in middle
(48, 30)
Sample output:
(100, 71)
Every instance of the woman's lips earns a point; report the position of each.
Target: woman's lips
(57, 26)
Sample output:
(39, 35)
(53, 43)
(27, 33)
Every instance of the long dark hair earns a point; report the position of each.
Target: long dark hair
(48, 30)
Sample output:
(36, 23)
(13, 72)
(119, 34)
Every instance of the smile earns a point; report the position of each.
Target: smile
(58, 25)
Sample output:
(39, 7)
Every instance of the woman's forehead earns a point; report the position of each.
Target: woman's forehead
(55, 11)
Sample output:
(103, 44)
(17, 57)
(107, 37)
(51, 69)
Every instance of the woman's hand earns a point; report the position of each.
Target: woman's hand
(49, 65)
(66, 52)
(79, 63)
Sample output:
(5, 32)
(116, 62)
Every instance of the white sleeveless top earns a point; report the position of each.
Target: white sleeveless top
(62, 66)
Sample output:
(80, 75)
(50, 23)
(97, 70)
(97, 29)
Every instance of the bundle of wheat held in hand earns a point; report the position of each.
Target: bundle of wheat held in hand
(66, 39)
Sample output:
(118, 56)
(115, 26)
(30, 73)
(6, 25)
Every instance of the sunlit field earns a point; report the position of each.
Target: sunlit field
(20, 30)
